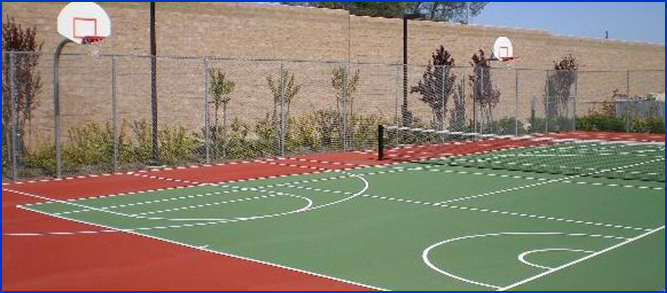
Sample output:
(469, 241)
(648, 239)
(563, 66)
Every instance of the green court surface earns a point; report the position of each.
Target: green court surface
(413, 226)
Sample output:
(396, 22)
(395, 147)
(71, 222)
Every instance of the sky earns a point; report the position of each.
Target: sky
(628, 21)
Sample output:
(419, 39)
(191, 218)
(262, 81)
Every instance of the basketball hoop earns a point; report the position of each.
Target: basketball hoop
(93, 44)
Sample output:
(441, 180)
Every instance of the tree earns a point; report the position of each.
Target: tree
(342, 82)
(344, 87)
(286, 85)
(457, 116)
(560, 82)
(484, 95)
(221, 87)
(437, 84)
(28, 83)
(442, 11)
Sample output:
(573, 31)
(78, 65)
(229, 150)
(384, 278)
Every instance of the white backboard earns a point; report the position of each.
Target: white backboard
(83, 19)
(502, 48)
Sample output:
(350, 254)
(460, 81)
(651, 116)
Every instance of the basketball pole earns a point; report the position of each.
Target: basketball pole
(56, 104)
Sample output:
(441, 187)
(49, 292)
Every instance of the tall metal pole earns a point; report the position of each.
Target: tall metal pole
(404, 109)
(627, 102)
(56, 104)
(114, 110)
(516, 102)
(153, 53)
(13, 108)
(207, 126)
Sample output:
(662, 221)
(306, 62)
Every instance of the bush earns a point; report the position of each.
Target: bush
(504, 126)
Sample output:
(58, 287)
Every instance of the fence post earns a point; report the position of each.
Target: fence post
(13, 108)
(627, 102)
(516, 102)
(546, 105)
(574, 100)
(114, 110)
(207, 118)
(397, 117)
(343, 104)
(442, 97)
(281, 135)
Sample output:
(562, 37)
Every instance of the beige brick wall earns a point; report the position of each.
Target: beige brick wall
(237, 30)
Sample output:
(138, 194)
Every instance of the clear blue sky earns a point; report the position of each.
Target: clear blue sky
(638, 21)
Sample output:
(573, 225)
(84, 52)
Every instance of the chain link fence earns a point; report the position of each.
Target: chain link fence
(213, 109)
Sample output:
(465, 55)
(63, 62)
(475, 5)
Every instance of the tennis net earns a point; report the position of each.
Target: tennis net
(543, 154)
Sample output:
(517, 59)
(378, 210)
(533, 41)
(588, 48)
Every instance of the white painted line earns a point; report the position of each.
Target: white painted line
(533, 278)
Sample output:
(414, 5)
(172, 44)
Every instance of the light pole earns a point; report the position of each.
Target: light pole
(407, 116)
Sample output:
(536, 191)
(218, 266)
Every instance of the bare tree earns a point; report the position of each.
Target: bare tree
(27, 80)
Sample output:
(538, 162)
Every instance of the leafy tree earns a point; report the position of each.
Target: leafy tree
(442, 11)
(28, 82)
(341, 79)
(437, 84)
(484, 95)
(289, 87)
(221, 87)
(457, 117)
(560, 82)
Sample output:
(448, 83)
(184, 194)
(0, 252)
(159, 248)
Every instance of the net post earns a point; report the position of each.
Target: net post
(380, 142)
(114, 110)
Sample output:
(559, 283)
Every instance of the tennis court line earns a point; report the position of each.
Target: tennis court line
(559, 268)
(210, 221)
(436, 169)
(508, 213)
(225, 184)
(106, 227)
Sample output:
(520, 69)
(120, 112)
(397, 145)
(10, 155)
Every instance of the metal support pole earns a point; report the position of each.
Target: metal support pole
(281, 139)
(404, 108)
(56, 105)
(114, 110)
(397, 108)
(13, 107)
(154, 103)
(628, 103)
(343, 104)
(207, 118)
(516, 102)
(442, 97)
(546, 104)
(574, 101)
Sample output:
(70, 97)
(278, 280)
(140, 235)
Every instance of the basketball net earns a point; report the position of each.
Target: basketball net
(93, 45)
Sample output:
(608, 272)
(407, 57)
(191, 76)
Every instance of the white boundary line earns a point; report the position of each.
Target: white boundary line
(525, 281)
(522, 256)
(427, 261)
(202, 248)
(218, 252)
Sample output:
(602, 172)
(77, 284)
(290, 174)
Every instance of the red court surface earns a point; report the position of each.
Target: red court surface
(87, 257)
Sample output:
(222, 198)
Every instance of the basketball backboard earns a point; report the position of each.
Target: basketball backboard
(83, 22)
(502, 49)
